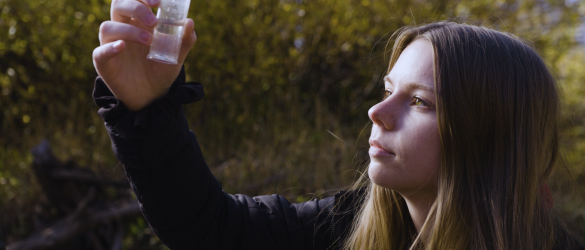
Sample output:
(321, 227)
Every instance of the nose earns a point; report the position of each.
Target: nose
(384, 114)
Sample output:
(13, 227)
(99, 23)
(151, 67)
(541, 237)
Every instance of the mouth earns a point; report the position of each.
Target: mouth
(376, 149)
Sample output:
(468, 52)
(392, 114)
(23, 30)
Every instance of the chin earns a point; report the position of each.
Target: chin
(380, 175)
(392, 177)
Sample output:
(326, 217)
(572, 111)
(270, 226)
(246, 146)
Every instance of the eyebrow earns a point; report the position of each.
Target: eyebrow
(413, 85)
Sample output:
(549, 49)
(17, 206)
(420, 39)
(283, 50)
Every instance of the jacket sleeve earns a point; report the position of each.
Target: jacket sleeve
(179, 197)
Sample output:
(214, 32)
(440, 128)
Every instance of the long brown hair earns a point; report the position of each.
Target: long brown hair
(498, 111)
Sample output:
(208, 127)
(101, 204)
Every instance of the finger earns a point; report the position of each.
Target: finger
(113, 31)
(104, 53)
(153, 3)
(189, 39)
(125, 11)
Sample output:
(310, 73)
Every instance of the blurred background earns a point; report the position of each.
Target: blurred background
(288, 84)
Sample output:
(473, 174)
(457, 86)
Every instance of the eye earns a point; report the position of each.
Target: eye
(420, 102)
(387, 93)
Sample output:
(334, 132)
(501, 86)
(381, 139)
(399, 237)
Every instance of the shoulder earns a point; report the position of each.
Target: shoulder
(578, 245)
(566, 240)
(574, 245)
(346, 206)
(348, 201)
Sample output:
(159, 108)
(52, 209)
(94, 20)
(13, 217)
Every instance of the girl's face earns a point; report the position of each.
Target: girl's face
(405, 143)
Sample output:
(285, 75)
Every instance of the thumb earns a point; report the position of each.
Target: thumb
(104, 53)
(189, 39)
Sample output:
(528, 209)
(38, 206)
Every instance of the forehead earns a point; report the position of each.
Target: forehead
(415, 65)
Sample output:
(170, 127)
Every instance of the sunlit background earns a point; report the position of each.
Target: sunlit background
(288, 85)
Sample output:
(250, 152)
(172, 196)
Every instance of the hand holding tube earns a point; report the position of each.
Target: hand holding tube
(121, 59)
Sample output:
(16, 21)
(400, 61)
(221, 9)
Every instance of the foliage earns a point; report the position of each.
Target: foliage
(281, 76)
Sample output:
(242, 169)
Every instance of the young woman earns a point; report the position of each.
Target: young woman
(461, 147)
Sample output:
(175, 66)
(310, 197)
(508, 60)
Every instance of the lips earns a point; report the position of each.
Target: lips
(376, 149)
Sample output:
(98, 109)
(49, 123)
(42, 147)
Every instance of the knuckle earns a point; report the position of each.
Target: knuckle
(137, 9)
(105, 27)
(115, 5)
(96, 54)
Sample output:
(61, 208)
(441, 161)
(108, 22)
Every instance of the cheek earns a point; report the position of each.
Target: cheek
(417, 164)
(426, 154)
(418, 153)
(424, 148)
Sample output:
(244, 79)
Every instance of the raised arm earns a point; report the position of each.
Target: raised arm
(140, 101)
(182, 201)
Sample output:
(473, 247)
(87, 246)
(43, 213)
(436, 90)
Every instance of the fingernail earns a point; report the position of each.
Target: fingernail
(117, 45)
(145, 36)
(150, 19)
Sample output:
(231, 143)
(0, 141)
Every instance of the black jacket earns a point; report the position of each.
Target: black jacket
(183, 202)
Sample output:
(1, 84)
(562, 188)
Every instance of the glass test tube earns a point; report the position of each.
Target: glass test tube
(168, 34)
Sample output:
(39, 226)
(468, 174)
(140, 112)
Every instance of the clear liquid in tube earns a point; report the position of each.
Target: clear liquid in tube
(168, 34)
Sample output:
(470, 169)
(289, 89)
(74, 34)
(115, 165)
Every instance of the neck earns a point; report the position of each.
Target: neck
(419, 205)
